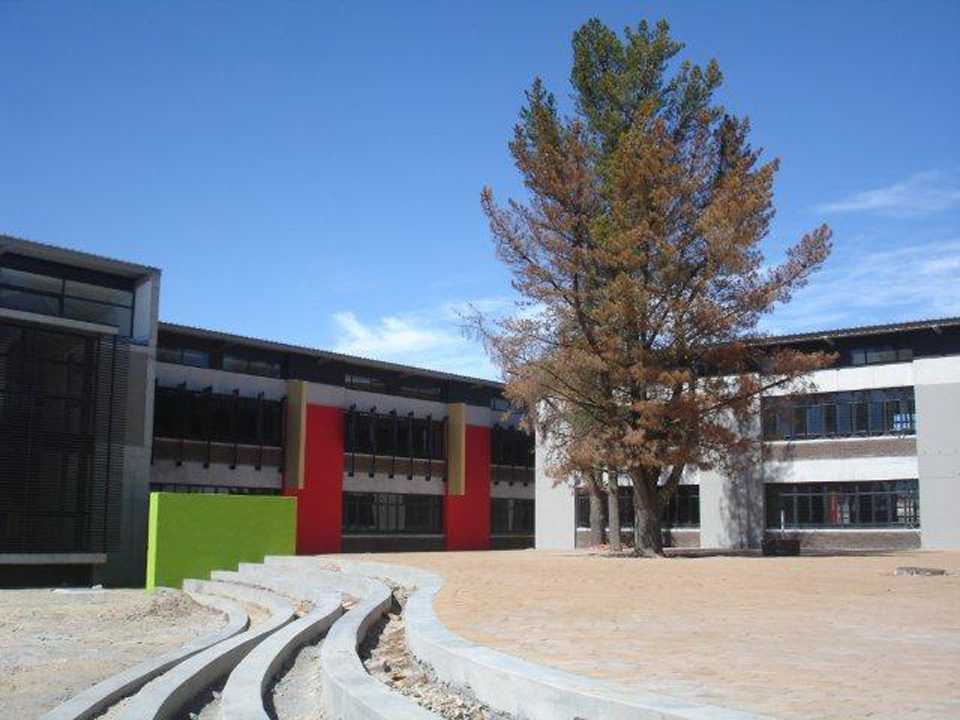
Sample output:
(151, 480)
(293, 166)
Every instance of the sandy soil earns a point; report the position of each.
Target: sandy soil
(53, 644)
(808, 637)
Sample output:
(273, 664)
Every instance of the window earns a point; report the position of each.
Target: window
(683, 510)
(207, 416)
(422, 392)
(509, 516)
(867, 412)
(212, 489)
(511, 446)
(393, 435)
(881, 503)
(872, 356)
(251, 366)
(184, 356)
(360, 382)
(502, 405)
(392, 513)
(51, 289)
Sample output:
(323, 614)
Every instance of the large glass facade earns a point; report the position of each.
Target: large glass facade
(62, 412)
(879, 503)
(861, 413)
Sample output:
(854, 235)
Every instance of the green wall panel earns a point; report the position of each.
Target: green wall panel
(191, 534)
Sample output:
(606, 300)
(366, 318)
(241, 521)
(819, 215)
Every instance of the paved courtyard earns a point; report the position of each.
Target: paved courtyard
(808, 637)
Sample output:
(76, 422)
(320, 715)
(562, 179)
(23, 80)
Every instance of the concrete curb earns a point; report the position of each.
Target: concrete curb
(164, 697)
(243, 694)
(515, 686)
(97, 698)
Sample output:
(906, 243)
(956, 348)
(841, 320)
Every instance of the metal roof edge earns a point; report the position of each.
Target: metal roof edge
(64, 255)
(325, 354)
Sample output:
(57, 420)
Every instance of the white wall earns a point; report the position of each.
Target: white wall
(938, 450)
(554, 505)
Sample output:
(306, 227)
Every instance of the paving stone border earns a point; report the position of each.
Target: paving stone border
(165, 696)
(510, 684)
(97, 698)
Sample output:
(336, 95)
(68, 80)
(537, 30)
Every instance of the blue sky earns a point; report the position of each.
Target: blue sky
(310, 172)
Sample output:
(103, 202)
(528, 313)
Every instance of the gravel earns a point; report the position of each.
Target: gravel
(384, 654)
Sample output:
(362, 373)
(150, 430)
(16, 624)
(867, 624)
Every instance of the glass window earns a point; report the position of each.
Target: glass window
(251, 366)
(31, 281)
(50, 294)
(195, 358)
(871, 356)
(124, 298)
(183, 356)
(845, 419)
(16, 299)
(887, 503)
(423, 392)
(392, 513)
(90, 311)
(682, 511)
(830, 420)
(361, 382)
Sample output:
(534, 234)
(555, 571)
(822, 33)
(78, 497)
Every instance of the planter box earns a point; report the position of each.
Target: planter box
(778, 545)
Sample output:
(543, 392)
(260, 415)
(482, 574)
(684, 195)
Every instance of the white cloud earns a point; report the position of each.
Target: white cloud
(863, 286)
(919, 194)
(430, 338)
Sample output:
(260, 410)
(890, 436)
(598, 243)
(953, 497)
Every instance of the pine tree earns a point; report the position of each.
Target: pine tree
(637, 257)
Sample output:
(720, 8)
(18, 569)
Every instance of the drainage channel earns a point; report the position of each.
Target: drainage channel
(385, 656)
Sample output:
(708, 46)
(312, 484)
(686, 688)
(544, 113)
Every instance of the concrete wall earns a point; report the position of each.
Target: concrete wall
(938, 450)
(127, 564)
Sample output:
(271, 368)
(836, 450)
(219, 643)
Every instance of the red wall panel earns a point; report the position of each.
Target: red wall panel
(467, 517)
(319, 502)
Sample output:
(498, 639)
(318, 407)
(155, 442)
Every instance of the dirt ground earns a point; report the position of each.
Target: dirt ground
(807, 637)
(55, 644)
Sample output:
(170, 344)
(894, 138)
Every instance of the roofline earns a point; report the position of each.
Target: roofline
(64, 255)
(326, 354)
(861, 331)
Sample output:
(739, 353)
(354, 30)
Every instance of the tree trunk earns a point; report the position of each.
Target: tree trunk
(613, 515)
(596, 517)
(647, 510)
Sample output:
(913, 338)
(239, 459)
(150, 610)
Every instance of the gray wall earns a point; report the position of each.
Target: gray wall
(127, 564)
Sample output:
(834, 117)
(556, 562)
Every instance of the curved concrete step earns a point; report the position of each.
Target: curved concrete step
(243, 695)
(510, 684)
(349, 691)
(320, 571)
(97, 698)
(165, 696)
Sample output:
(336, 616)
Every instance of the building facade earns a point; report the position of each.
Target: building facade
(869, 459)
(100, 404)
